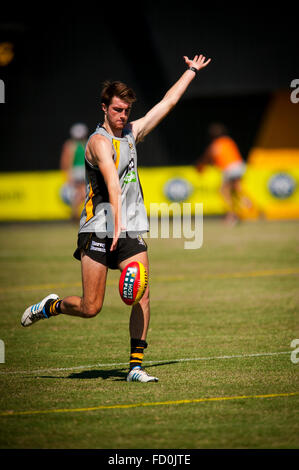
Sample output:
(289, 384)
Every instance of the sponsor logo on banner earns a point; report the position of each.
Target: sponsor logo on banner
(282, 185)
(178, 189)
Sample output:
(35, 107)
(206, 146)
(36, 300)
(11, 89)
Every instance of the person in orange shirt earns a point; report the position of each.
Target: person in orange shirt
(224, 153)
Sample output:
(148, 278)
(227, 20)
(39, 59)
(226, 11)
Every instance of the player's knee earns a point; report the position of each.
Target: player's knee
(92, 310)
(145, 298)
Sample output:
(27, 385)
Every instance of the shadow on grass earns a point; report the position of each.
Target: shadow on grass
(116, 374)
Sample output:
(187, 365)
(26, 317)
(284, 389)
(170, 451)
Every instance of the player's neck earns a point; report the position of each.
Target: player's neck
(111, 130)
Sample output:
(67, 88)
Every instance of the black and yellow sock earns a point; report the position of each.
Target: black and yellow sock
(52, 307)
(137, 347)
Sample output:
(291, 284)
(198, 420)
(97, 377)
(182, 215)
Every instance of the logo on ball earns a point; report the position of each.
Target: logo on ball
(132, 283)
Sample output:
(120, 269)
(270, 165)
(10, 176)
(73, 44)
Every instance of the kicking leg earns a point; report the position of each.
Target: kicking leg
(94, 277)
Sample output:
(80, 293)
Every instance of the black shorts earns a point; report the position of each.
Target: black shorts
(98, 249)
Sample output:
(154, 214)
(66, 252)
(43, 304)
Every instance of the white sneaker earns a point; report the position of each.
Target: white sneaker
(36, 312)
(139, 375)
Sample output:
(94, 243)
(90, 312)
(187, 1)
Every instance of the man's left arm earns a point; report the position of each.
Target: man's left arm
(146, 124)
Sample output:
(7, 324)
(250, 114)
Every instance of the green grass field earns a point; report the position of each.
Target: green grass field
(223, 318)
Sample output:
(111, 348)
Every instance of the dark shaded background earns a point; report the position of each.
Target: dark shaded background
(63, 54)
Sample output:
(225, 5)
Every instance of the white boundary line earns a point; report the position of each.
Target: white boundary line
(117, 364)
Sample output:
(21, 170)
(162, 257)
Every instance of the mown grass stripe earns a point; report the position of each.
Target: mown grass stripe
(146, 404)
(120, 364)
(112, 282)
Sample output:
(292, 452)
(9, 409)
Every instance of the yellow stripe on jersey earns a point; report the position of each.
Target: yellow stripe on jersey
(116, 145)
(89, 204)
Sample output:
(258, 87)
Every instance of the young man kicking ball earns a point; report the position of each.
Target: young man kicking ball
(112, 181)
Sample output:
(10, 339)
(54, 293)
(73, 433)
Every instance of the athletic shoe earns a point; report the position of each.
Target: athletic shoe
(139, 375)
(37, 311)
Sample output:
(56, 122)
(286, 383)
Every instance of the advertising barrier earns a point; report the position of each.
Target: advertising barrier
(274, 190)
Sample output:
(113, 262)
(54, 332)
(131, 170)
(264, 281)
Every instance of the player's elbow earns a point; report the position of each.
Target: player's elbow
(172, 103)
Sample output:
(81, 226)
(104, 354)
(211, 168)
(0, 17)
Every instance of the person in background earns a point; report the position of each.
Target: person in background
(223, 152)
(72, 162)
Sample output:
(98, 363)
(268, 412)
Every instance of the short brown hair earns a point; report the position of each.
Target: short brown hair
(119, 89)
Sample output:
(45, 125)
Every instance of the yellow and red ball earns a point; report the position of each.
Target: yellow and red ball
(133, 282)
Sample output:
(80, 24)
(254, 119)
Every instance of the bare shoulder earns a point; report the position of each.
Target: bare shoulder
(98, 147)
(98, 140)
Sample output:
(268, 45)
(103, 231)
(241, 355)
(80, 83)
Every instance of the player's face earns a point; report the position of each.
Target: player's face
(117, 113)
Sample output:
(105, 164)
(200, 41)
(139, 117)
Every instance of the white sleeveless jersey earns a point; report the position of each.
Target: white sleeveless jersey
(96, 215)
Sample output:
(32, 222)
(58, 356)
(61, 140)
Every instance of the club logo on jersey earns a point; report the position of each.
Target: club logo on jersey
(131, 175)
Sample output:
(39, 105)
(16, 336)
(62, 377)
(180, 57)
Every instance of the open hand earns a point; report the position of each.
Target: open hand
(199, 62)
(116, 236)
